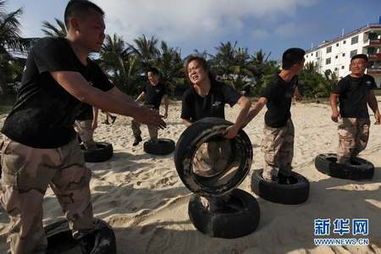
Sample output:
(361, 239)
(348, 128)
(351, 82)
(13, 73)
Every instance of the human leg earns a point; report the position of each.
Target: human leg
(25, 177)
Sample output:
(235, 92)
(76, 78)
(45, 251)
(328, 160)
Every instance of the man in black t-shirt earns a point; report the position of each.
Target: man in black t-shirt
(207, 98)
(152, 95)
(278, 140)
(85, 124)
(355, 92)
(39, 146)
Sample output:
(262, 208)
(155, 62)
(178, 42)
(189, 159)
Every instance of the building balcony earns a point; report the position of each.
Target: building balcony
(373, 57)
(374, 70)
(372, 43)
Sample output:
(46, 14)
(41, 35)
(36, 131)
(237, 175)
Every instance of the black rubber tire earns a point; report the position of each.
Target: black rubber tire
(60, 239)
(205, 130)
(326, 164)
(161, 146)
(290, 194)
(103, 152)
(229, 222)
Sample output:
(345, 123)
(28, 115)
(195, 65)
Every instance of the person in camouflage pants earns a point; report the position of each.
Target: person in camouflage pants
(355, 93)
(26, 174)
(278, 134)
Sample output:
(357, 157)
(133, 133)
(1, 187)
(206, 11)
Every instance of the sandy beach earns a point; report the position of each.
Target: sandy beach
(144, 200)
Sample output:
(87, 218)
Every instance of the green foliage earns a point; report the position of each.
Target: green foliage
(126, 64)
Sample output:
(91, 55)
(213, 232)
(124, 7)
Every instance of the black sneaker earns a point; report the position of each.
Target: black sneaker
(113, 118)
(137, 141)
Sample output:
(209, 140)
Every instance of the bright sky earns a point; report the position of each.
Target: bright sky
(271, 25)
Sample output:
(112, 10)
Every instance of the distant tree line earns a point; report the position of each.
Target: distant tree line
(126, 63)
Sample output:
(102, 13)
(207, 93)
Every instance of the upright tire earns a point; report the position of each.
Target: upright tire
(103, 152)
(290, 194)
(358, 169)
(161, 146)
(239, 218)
(205, 130)
(60, 240)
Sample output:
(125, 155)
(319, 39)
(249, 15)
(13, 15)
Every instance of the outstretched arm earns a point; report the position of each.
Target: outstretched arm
(255, 109)
(245, 104)
(112, 100)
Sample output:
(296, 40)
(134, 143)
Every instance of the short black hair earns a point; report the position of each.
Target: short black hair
(362, 56)
(153, 70)
(292, 56)
(201, 61)
(75, 7)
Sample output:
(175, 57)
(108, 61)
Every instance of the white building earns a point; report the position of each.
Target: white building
(335, 55)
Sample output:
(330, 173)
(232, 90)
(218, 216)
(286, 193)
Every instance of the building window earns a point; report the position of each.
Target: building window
(353, 52)
(337, 44)
(329, 49)
(312, 54)
(354, 40)
(372, 50)
(316, 54)
(344, 42)
(343, 54)
(328, 61)
(342, 67)
(336, 69)
(336, 57)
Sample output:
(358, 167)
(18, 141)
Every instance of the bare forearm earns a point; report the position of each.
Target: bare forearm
(245, 107)
(111, 103)
(372, 102)
(333, 102)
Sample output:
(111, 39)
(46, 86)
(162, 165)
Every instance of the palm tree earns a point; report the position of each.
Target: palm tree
(230, 64)
(9, 39)
(121, 65)
(146, 49)
(54, 31)
(170, 65)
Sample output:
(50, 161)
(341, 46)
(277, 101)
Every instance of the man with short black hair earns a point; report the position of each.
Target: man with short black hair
(40, 146)
(278, 140)
(355, 92)
(152, 95)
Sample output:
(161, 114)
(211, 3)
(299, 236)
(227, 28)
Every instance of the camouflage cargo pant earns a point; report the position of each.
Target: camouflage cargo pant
(27, 172)
(86, 132)
(212, 158)
(278, 148)
(353, 138)
(153, 131)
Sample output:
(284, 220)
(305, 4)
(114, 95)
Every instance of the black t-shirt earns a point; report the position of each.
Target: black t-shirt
(196, 107)
(154, 94)
(279, 96)
(85, 113)
(44, 112)
(353, 95)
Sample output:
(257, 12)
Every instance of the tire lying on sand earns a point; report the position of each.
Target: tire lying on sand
(206, 130)
(103, 152)
(60, 240)
(294, 193)
(358, 168)
(161, 146)
(239, 217)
